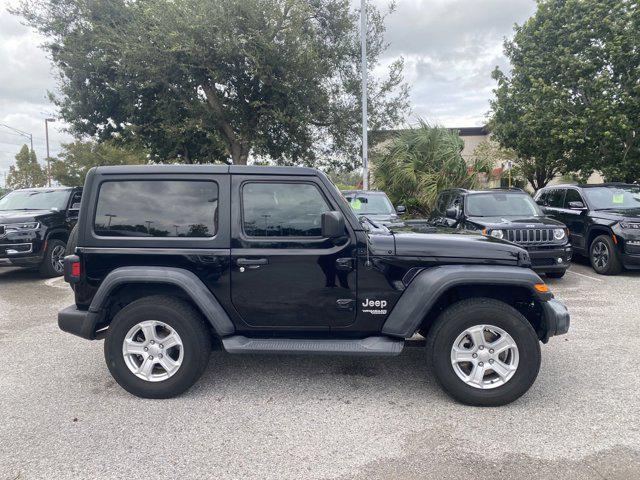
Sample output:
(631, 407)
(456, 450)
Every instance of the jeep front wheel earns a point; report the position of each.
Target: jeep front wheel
(157, 347)
(483, 352)
(604, 256)
(53, 262)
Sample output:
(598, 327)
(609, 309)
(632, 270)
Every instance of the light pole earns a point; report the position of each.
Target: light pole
(46, 134)
(20, 132)
(363, 46)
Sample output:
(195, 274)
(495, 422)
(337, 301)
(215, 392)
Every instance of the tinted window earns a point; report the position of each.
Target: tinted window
(555, 198)
(441, 202)
(77, 198)
(282, 209)
(501, 205)
(613, 197)
(157, 208)
(35, 200)
(370, 204)
(572, 196)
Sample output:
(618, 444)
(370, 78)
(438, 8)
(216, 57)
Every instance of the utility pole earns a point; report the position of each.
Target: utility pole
(363, 43)
(46, 133)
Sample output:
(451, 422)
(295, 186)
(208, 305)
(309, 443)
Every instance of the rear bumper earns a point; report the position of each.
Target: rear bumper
(78, 322)
(551, 260)
(556, 318)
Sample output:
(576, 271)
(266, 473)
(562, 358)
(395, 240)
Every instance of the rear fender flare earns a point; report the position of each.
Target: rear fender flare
(183, 279)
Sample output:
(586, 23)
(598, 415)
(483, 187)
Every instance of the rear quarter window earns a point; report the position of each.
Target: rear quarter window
(157, 208)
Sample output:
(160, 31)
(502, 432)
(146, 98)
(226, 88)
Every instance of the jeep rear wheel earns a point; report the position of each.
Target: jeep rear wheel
(483, 352)
(157, 347)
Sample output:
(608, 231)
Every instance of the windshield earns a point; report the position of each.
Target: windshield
(501, 205)
(619, 197)
(35, 200)
(370, 204)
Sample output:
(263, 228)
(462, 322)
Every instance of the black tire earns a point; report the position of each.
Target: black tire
(604, 256)
(72, 243)
(51, 265)
(483, 311)
(556, 274)
(187, 323)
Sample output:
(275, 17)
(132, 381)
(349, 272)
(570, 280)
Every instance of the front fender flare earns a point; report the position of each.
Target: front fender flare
(428, 286)
(183, 279)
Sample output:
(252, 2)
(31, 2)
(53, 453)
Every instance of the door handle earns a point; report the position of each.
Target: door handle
(250, 262)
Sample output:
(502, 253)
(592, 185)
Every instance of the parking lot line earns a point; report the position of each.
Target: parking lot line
(586, 276)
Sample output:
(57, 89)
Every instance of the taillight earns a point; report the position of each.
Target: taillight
(72, 269)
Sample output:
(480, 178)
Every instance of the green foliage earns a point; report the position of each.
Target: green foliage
(75, 160)
(27, 172)
(422, 161)
(571, 102)
(489, 152)
(218, 80)
(346, 180)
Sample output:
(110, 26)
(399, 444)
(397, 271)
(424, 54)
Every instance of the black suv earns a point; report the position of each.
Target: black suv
(603, 221)
(509, 214)
(375, 205)
(34, 227)
(273, 260)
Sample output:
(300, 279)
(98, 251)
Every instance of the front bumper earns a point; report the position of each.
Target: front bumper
(21, 249)
(556, 319)
(82, 323)
(545, 260)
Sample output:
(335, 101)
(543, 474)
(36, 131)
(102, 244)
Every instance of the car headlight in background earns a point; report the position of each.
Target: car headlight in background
(22, 227)
(497, 234)
(559, 234)
(630, 226)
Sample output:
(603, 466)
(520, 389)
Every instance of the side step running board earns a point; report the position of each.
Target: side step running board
(377, 346)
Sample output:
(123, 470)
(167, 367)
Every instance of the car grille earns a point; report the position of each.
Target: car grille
(530, 236)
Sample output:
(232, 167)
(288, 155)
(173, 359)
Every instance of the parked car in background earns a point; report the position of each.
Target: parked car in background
(34, 227)
(375, 205)
(507, 214)
(603, 221)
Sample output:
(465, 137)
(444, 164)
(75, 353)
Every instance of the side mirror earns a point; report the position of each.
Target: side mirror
(401, 209)
(332, 224)
(576, 206)
(452, 213)
(540, 202)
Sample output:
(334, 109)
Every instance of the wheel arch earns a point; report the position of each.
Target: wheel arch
(58, 234)
(433, 290)
(594, 232)
(114, 293)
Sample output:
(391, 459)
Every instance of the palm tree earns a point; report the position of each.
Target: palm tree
(423, 161)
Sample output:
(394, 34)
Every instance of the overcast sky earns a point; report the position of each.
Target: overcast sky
(450, 46)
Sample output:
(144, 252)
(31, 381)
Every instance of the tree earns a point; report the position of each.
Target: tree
(27, 172)
(75, 160)
(218, 80)
(421, 162)
(571, 102)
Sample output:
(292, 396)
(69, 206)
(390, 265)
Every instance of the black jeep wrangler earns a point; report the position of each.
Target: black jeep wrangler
(171, 260)
(509, 214)
(34, 227)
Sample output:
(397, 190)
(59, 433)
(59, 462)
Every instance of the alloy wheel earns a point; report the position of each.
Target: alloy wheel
(153, 351)
(57, 258)
(600, 254)
(484, 356)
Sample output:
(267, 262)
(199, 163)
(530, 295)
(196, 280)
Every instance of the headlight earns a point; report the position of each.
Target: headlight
(497, 234)
(559, 234)
(630, 226)
(22, 227)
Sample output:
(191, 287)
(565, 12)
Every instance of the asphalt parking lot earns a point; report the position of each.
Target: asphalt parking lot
(62, 415)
